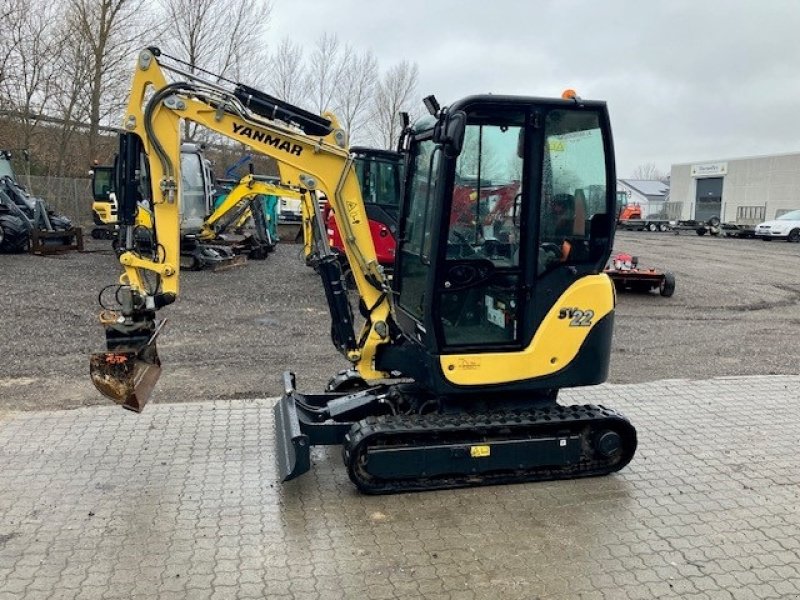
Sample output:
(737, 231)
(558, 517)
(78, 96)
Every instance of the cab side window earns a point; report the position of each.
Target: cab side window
(573, 187)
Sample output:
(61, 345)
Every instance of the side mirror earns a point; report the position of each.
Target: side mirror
(449, 132)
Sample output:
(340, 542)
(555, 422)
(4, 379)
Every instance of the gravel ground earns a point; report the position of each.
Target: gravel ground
(231, 335)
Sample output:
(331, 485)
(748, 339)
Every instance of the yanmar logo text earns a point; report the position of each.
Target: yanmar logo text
(266, 138)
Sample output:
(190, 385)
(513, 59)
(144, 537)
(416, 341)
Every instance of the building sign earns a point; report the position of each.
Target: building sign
(710, 170)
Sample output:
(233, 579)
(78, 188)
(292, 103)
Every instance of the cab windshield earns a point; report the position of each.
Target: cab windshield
(790, 216)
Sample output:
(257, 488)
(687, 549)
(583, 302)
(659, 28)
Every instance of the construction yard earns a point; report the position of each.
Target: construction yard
(231, 334)
(182, 501)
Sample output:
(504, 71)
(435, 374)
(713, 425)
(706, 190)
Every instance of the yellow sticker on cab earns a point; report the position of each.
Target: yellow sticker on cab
(480, 451)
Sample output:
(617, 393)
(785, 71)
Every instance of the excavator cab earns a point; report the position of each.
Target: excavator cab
(469, 289)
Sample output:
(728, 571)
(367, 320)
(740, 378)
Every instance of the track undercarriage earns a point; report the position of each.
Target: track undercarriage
(397, 439)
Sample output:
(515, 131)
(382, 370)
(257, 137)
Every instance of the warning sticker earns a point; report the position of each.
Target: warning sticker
(480, 451)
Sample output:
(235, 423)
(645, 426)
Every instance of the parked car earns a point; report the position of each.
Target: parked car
(785, 227)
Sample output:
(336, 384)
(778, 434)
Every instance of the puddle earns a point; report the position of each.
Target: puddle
(267, 321)
(14, 381)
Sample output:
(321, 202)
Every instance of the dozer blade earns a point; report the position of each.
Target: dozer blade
(292, 448)
(126, 377)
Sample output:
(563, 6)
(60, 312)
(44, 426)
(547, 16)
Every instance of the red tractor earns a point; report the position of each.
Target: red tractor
(630, 211)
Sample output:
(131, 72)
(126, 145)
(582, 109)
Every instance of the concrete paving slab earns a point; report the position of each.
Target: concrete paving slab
(181, 502)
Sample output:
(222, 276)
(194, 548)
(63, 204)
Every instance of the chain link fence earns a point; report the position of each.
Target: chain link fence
(70, 196)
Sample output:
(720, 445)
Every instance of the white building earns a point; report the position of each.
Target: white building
(649, 194)
(742, 190)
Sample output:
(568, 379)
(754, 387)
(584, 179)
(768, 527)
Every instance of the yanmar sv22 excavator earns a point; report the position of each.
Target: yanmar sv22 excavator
(457, 367)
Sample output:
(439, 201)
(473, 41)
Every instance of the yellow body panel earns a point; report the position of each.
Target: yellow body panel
(555, 344)
(103, 212)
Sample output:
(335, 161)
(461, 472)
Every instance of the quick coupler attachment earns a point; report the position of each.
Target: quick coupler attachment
(292, 446)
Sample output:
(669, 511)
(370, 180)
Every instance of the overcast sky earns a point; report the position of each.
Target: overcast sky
(685, 80)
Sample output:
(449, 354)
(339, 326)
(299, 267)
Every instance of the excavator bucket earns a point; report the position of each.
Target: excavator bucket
(236, 260)
(127, 377)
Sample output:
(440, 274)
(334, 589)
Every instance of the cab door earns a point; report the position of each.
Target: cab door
(417, 239)
(529, 214)
(482, 285)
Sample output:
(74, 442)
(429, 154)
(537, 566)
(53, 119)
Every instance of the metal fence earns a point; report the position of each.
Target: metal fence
(673, 210)
(655, 210)
(70, 196)
(751, 215)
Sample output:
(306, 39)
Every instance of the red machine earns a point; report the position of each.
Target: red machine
(630, 211)
(497, 202)
(627, 276)
(380, 175)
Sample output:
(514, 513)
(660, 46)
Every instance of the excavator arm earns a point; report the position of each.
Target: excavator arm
(312, 154)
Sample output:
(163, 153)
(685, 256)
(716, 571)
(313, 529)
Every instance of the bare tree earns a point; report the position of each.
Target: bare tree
(332, 78)
(355, 92)
(220, 37)
(216, 36)
(29, 66)
(647, 171)
(11, 11)
(287, 78)
(325, 71)
(111, 30)
(70, 100)
(393, 94)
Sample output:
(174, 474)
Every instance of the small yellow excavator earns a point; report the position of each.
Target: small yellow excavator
(457, 367)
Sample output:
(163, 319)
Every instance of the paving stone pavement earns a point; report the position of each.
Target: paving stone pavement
(181, 502)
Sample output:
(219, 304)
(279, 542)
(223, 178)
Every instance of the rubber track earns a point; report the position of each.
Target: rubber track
(485, 428)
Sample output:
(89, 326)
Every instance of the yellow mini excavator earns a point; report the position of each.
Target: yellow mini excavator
(492, 308)
(241, 203)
